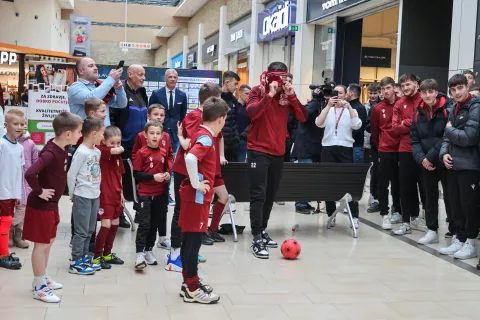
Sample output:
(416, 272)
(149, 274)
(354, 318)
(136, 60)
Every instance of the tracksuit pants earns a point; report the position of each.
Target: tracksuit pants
(153, 217)
(192, 241)
(388, 174)
(410, 176)
(175, 231)
(430, 182)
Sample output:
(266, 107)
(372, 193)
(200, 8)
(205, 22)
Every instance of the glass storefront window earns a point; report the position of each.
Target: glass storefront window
(324, 52)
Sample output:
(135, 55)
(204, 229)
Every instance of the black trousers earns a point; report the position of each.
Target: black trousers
(192, 241)
(338, 154)
(430, 183)
(265, 173)
(388, 175)
(410, 177)
(175, 231)
(231, 153)
(153, 217)
(288, 150)
(373, 172)
(464, 193)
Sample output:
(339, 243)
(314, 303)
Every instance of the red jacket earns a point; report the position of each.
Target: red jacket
(269, 119)
(381, 127)
(402, 119)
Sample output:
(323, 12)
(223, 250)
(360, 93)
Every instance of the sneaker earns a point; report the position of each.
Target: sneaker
(201, 259)
(88, 261)
(404, 229)
(200, 296)
(45, 294)
(260, 250)
(355, 223)
(386, 224)
(205, 287)
(81, 268)
(140, 262)
(419, 224)
(173, 265)
(215, 236)
(101, 262)
(468, 250)
(10, 262)
(303, 210)
(207, 241)
(374, 207)
(150, 258)
(52, 284)
(429, 238)
(165, 244)
(332, 223)
(246, 206)
(449, 235)
(280, 203)
(454, 247)
(123, 222)
(269, 241)
(113, 259)
(396, 218)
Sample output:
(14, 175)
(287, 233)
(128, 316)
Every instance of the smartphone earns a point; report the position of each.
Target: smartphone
(335, 93)
(120, 64)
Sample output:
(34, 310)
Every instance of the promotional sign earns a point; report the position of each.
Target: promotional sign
(8, 57)
(273, 22)
(239, 36)
(189, 81)
(318, 9)
(177, 61)
(136, 45)
(210, 49)
(80, 35)
(376, 57)
(192, 57)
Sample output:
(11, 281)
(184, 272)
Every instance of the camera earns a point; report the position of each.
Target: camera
(326, 89)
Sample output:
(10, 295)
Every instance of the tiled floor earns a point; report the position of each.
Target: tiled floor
(337, 277)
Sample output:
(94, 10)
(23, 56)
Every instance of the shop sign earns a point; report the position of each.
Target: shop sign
(135, 45)
(211, 50)
(80, 35)
(8, 73)
(273, 22)
(376, 57)
(294, 28)
(191, 58)
(8, 57)
(177, 61)
(317, 9)
(236, 35)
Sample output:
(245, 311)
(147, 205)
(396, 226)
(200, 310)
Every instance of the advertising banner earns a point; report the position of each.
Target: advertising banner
(80, 35)
(318, 9)
(177, 61)
(272, 23)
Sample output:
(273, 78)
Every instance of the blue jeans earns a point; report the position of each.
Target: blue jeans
(358, 155)
(242, 151)
(298, 204)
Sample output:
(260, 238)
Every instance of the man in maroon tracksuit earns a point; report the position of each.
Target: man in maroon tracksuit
(410, 172)
(268, 108)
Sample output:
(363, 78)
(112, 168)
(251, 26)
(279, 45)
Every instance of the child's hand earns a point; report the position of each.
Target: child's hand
(166, 176)
(180, 128)
(204, 186)
(159, 177)
(223, 161)
(47, 194)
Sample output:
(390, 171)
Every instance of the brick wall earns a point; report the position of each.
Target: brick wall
(237, 9)
(110, 53)
(209, 16)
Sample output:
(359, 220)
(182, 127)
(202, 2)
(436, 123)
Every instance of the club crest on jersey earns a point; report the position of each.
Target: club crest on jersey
(384, 115)
(163, 160)
(163, 143)
(383, 110)
(405, 107)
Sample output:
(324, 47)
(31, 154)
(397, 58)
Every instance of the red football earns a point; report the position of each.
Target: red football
(291, 249)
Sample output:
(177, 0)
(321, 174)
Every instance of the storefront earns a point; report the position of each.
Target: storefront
(192, 57)
(238, 47)
(177, 61)
(273, 31)
(210, 52)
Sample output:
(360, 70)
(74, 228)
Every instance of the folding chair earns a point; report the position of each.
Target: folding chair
(129, 197)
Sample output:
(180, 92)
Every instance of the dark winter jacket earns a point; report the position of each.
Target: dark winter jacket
(229, 131)
(359, 135)
(427, 130)
(308, 142)
(462, 139)
(242, 121)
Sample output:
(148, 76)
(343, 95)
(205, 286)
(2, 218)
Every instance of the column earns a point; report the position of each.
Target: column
(201, 42)
(233, 62)
(222, 34)
(303, 55)
(256, 49)
(169, 58)
(185, 51)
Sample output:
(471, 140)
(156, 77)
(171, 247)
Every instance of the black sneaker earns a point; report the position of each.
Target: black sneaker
(207, 241)
(449, 235)
(215, 236)
(269, 241)
(259, 248)
(205, 287)
(303, 210)
(13, 257)
(102, 263)
(374, 207)
(10, 262)
(113, 259)
(123, 222)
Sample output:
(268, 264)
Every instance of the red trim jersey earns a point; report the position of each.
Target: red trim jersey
(151, 161)
(402, 118)
(190, 125)
(381, 127)
(112, 169)
(165, 143)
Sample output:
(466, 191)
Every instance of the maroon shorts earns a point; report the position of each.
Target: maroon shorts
(193, 216)
(40, 225)
(218, 181)
(110, 212)
(7, 207)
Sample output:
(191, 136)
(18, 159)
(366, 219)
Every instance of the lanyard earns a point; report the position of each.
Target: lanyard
(338, 119)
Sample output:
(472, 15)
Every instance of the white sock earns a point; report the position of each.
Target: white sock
(39, 281)
(174, 253)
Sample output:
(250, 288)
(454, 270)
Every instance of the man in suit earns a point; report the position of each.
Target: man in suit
(175, 102)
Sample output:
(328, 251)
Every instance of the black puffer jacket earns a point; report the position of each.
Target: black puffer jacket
(462, 138)
(308, 142)
(229, 131)
(427, 130)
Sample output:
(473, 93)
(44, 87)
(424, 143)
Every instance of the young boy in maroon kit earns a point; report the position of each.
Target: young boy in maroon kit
(196, 195)
(48, 177)
(111, 200)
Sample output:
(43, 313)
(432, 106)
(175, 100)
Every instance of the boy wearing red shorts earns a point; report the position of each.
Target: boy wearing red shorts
(196, 195)
(48, 177)
(111, 200)
(12, 160)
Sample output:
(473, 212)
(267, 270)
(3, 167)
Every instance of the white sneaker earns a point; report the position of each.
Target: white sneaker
(140, 262)
(429, 238)
(246, 206)
(468, 251)
(355, 223)
(150, 258)
(454, 247)
(52, 284)
(404, 229)
(45, 294)
(419, 224)
(396, 218)
(200, 296)
(386, 223)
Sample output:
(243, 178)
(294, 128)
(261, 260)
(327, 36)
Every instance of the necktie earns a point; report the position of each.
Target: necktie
(170, 102)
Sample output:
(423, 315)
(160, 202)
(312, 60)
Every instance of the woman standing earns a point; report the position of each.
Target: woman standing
(339, 120)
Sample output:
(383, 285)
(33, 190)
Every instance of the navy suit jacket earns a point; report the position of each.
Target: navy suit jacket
(171, 116)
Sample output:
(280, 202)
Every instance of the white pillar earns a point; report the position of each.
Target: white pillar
(303, 55)
(169, 58)
(185, 51)
(233, 62)
(256, 49)
(222, 34)
(201, 42)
